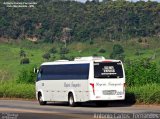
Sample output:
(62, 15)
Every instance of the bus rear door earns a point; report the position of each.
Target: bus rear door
(109, 80)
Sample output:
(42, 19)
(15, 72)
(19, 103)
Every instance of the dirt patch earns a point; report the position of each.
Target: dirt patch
(5, 40)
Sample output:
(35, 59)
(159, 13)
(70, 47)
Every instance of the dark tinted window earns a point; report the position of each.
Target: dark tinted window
(65, 71)
(108, 70)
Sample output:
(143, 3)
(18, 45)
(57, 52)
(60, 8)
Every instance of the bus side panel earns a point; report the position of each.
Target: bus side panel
(63, 87)
(91, 82)
(56, 81)
(58, 90)
(41, 86)
(81, 92)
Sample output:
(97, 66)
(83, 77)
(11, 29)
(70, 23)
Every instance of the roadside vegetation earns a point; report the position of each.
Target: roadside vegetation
(143, 81)
(12, 89)
(145, 94)
(142, 68)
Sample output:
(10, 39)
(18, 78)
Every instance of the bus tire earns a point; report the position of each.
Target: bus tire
(41, 102)
(71, 101)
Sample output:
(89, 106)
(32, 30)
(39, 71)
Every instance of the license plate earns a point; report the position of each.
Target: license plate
(109, 92)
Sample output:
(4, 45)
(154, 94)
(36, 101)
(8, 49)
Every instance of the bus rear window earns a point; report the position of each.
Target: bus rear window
(108, 70)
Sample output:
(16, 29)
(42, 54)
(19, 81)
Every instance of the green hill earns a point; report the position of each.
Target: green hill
(55, 20)
(10, 52)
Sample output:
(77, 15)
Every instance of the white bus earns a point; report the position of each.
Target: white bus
(84, 79)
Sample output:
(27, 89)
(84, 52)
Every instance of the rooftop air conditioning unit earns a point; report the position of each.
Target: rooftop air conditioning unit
(89, 58)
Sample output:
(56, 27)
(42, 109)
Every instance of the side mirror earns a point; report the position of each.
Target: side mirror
(36, 70)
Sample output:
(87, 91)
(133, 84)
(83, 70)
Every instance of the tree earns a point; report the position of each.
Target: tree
(95, 1)
(106, 1)
(65, 19)
(118, 52)
(66, 35)
(22, 53)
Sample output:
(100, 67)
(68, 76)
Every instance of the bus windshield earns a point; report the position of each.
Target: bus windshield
(108, 70)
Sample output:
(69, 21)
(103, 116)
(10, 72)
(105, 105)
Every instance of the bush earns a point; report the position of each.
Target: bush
(95, 55)
(53, 50)
(91, 42)
(53, 58)
(63, 57)
(64, 51)
(25, 61)
(102, 51)
(26, 75)
(118, 49)
(140, 40)
(138, 53)
(46, 56)
(70, 58)
(141, 72)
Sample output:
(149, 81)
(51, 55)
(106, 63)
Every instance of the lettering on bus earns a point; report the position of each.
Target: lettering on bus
(100, 84)
(108, 70)
(72, 84)
(115, 84)
(66, 85)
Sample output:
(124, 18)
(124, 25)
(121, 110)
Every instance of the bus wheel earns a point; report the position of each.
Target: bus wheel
(41, 102)
(71, 100)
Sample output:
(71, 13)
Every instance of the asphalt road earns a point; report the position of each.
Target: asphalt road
(17, 109)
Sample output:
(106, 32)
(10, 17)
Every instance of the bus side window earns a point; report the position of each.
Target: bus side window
(39, 76)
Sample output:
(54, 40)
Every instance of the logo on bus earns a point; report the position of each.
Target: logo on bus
(72, 84)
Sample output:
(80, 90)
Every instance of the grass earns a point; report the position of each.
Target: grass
(10, 60)
(147, 94)
(10, 64)
(11, 89)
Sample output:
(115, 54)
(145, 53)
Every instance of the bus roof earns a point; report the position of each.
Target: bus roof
(65, 62)
(81, 60)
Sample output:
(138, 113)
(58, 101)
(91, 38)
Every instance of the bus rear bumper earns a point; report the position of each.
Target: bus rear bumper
(108, 98)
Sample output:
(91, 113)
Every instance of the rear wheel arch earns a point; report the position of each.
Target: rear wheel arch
(40, 98)
(39, 94)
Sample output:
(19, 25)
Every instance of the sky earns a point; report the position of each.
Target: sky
(129, 0)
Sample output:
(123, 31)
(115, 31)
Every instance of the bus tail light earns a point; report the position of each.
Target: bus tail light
(92, 84)
(124, 86)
